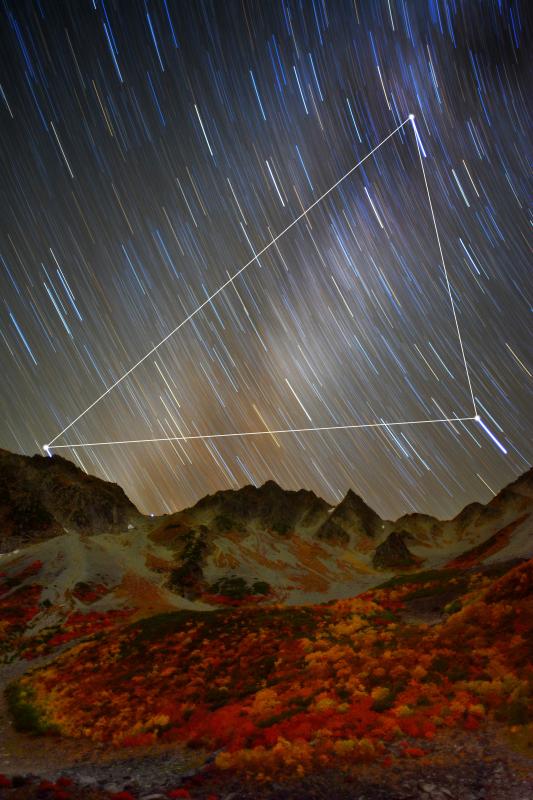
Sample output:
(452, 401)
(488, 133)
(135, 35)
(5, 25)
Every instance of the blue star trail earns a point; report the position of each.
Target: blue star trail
(151, 149)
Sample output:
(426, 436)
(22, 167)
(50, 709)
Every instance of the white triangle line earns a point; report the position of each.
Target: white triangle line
(417, 139)
(410, 118)
(268, 432)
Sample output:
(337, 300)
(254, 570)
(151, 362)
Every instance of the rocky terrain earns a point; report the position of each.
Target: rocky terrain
(307, 550)
(293, 545)
(215, 642)
(42, 497)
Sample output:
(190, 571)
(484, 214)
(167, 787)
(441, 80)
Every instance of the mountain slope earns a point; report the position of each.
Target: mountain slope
(81, 546)
(356, 639)
(306, 549)
(294, 690)
(40, 497)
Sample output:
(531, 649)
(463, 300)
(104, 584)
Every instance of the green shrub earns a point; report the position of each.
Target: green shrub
(453, 607)
(432, 575)
(261, 587)
(281, 527)
(234, 587)
(238, 588)
(223, 523)
(216, 697)
(26, 715)
(514, 713)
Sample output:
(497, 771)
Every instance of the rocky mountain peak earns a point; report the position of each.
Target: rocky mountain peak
(41, 497)
(268, 504)
(393, 553)
(352, 504)
(351, 521)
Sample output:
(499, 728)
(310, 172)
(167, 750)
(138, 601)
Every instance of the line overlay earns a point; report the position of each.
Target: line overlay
(411, 118)
(268, 432)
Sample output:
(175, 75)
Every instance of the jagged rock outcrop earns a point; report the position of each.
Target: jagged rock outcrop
(393, 554)
(40, 497)
(188, 578)
(423, 527)
(517, 495)
(351, 522)
(269, 505)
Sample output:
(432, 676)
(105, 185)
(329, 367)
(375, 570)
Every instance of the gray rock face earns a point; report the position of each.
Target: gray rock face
(40, 497)
(393, 553)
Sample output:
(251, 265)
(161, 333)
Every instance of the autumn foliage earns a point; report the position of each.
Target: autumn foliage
(286, 690)
(19, 601)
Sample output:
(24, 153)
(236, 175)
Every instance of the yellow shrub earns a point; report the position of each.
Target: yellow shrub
(265, 701)
(344, 746)
(403, 711)
(366, 748)
(325, 704)
(379, 692)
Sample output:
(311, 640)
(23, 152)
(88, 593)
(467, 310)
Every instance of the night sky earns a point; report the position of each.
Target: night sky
(149, 150)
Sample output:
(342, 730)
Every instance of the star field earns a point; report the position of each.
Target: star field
(152, 149)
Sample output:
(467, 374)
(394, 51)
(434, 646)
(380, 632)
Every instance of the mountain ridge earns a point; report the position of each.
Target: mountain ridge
(292, 544)
(42, 496)
(352, 503)
(268, 626)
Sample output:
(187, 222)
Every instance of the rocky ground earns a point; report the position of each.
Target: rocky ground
(483, 767)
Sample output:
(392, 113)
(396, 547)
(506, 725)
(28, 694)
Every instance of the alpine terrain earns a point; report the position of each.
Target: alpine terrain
(262, 643)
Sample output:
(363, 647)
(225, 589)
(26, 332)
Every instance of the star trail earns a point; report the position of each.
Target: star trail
(186, 248)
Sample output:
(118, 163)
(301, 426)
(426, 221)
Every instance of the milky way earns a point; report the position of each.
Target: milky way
(152, 149)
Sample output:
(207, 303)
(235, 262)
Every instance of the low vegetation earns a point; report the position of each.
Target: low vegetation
(287, 690)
